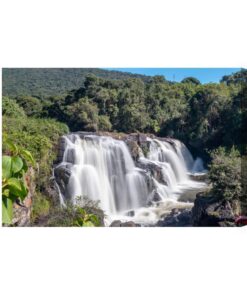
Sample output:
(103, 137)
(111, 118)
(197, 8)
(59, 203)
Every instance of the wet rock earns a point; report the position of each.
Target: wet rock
(62, 175)
(130, 213)
(134, 149)
(208, 211)
(189, 195)
(118, 223)
(177, 218)
(60, 149)
(199, 177)
(156, 197)
(154, 169)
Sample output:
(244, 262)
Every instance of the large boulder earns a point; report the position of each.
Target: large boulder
(62, 175)
(134, 149)
(208, 211)
(154, 169)
(177, 217)
(203, 177)
(118, 223)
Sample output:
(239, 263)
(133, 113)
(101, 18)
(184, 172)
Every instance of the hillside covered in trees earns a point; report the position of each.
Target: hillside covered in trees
(40, 105)
(45, 82)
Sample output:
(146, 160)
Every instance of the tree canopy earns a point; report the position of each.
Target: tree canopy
(204, 116)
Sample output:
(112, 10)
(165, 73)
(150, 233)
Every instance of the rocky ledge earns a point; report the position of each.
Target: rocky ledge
(208, 211)
(118, 223)
(177, 218)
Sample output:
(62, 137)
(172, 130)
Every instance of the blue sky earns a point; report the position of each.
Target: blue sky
(205, 75)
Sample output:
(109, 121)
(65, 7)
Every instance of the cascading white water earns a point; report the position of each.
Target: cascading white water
(102, 168)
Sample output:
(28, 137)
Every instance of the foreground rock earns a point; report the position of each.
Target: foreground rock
(22, 210)
(118, 223)
(203, 177)
(177, 218)
(208, 211)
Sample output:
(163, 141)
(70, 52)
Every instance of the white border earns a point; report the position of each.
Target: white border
(136, 33)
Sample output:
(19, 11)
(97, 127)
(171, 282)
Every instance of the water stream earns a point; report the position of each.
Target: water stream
(101, 168)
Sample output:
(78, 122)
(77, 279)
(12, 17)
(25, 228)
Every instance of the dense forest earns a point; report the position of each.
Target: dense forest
(40, 105)
(44, 82)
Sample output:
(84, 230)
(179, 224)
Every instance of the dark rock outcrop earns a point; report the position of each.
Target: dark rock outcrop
(134, 149)
(208, 211)
(62, 174)
(61, 148)
(177, 218)
(118, 223)
(154, 169)
(199, 177)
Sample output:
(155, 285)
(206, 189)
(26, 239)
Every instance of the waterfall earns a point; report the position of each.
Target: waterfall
(101, 168)
(163, 153)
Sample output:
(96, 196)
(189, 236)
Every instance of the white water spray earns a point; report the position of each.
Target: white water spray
(102, 168)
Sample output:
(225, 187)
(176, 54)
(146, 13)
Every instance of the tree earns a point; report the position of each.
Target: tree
(239, 77)
(104, 123)
(31, 105)
(225, 174)
(191, 80)
(133, 118)
(11, 108)
(206, 118)
(82, 115)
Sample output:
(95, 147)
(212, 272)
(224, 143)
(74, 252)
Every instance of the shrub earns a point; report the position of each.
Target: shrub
(11, 108)
(40, 137)
(31, 105)
(225, 174)
(104, 123)
(14, 182)
(40, 207)
(86, 212)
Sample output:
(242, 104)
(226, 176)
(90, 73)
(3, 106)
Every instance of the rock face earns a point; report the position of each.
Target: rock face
(208, 211)
(118, 223)
(62, 174)
(177, 218)
(199, 177)
(154, 169)
(22, 211)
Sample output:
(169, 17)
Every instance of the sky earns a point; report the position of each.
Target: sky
(205, 75)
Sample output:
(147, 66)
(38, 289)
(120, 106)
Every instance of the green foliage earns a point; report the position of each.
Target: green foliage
(37, 137)
(82, 115)
(85, 213)
(199, 115)
(11, 108)
(225, 174)
(31, 105)
(14, 187)
(41, 207)
(72, 215)
(104, 123)
(239, 77)
(44, 82)
(191, 80)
